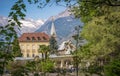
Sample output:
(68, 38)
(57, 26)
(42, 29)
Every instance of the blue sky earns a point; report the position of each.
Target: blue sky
(32, 10)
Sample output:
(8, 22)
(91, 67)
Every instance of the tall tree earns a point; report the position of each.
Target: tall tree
(16, 48)
(101, 20)
(102, 34)
(53, 45)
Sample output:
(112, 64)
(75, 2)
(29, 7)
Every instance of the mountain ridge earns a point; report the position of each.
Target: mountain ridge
(28, 25)
(64, 24)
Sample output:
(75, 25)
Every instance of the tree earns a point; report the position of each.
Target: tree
(9, 33)
(113, 68)
(44, 50)
(18, 69)
(34, 66)
(16, 48)
(87, 9)
(103, 38)
(53, 45)
(38, 65)
(102, 35)
(47, 66)
(101, 27)
(5, 50)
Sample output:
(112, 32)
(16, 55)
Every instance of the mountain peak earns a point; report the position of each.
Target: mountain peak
(64, 23)
(62, 14)
(28, 25)
(65, 13)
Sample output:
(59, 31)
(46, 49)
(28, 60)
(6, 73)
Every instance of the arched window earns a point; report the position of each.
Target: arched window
(44, 38)
(27, 38)
(39, 38)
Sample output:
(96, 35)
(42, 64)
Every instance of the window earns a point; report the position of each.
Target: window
(39, 38)
(22, 47)
(27, 38)
(33, 47)
(27, 55)
(33, 38)
(33, 55)
(44, 38)
(27, 47)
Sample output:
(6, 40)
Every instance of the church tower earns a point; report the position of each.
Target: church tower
(53, 31)
(53, 39)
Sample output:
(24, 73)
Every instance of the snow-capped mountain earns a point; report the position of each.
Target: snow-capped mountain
(3, 21)
(64, 24)
(28, 25)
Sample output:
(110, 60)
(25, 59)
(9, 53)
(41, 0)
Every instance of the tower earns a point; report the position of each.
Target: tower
(53, 40)
(53, 31)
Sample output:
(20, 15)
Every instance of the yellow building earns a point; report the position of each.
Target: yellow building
(29, 43)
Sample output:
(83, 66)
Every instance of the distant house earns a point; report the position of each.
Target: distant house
(66, 48)
(29, 43)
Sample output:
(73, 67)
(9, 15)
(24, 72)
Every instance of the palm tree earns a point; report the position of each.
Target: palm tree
(44, 50)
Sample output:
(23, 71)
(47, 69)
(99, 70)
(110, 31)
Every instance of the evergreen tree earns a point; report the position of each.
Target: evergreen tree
(53, 45)
(16, 48)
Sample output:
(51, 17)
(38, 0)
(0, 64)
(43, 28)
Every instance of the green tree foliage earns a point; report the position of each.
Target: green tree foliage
(38, 65)
(47, 65)
(34, 66)
(113, 68)
(53, 45)
(102, 35)
(87, 9)
(18, 68)
(16, 48)
(44, 50)
(103, 40)
(101, 30)
(9, 33)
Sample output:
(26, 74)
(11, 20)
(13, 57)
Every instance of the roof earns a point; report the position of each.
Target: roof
(34, 37)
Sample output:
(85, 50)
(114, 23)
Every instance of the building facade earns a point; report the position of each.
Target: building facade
(30, 43)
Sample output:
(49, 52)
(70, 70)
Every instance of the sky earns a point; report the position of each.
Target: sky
(32, 10)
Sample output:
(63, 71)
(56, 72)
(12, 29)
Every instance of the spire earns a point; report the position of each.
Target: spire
(53, 31)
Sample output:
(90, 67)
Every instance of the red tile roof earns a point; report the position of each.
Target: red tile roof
(34, 37)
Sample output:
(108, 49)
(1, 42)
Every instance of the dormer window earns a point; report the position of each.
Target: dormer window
(44, 38)
(33, 38)
(27, 38)
(39, 38)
